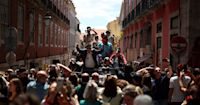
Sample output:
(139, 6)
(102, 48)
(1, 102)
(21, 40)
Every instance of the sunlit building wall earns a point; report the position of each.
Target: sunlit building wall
(114, 28)
(149, 25)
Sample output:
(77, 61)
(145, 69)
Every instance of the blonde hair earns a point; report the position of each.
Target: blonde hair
(132, 90)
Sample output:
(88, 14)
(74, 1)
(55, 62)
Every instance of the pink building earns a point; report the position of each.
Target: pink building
(42, 28)
(149, 25)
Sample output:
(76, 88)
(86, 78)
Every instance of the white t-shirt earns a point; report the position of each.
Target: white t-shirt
(89, 61)
(177, 95)
(111, 100)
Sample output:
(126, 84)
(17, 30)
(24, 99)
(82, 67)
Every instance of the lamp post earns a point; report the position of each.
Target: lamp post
(47, 18)
(11, 43)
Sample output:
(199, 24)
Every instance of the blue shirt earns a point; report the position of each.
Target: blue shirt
(38, 89)
(107, 49)
(160, 88)
(84, 102)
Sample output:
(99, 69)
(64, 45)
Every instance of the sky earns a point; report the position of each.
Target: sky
(96, 13)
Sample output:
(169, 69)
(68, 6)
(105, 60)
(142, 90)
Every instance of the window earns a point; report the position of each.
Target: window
(148, 37)
(55, 35)
(126, 7)
(52, 34)
(3, 30)
(174, 22)
(58, 37)
(125, 43)
(21, 22)
(65, 39)
(142, 39)
(3, 19)
(135, 41)
(32, 28)
(133, 4)
(62, 38)
(46, 34)
(159, 27)
(131, 43)
(159, 42)
(130, 4)
(40, 28)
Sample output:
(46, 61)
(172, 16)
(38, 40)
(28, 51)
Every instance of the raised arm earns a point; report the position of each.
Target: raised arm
(111, 58)
(95, 33)
(124, 59)
(183, 87)
(169, 72)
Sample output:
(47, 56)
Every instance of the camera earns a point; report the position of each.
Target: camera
(60, 83)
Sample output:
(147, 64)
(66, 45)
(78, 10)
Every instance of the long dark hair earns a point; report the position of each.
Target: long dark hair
(19, 87)
(110, 87)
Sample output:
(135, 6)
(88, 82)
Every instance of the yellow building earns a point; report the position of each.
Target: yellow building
(114, 28)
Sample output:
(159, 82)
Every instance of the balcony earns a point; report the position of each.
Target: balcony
(50, 6)
(141, 8)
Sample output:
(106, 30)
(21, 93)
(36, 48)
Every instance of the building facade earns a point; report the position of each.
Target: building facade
(74, 31)
(150, 25)
(37, 31)
(114, 28)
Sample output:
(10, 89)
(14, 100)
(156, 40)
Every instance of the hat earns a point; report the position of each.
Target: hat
(106, 58)
(85, 75)
(32, 70)
(9, 70)
(95, 74)
(64, 67)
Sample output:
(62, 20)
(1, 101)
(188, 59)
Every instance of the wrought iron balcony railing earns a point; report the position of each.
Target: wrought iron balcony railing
(140, 9)
(49, 5)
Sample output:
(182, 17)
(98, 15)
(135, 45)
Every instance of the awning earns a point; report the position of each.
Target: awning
(144, 58)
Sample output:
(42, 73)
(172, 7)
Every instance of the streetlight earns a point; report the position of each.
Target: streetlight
(47, 18)
(11, 44)
(10, 58)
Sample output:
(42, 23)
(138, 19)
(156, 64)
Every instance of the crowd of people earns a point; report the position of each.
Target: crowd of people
(84, 83)
(97, 53)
